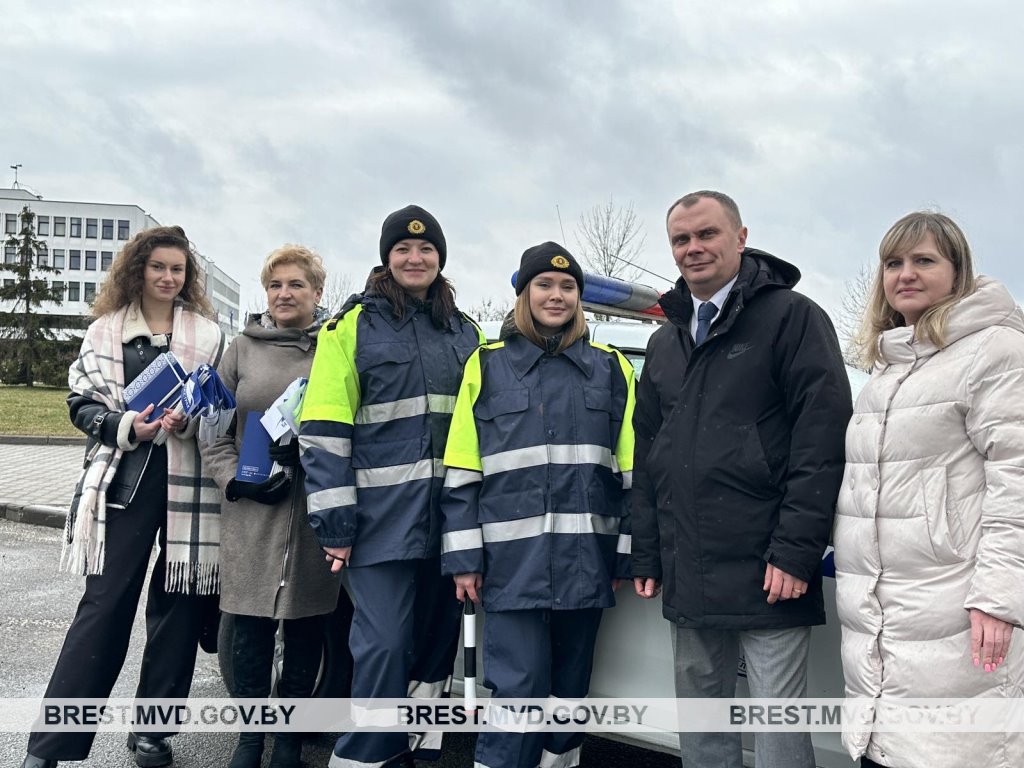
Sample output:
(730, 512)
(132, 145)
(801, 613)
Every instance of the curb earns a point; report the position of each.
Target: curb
(33, 514)
(40, 440)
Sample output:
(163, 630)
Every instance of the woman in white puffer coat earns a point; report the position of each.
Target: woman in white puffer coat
(929, 534)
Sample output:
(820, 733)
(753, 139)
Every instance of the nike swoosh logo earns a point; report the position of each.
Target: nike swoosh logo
(738, 350)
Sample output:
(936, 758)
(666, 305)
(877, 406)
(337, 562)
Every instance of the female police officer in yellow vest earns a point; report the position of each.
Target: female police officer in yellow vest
(536, 520)
(374, 423)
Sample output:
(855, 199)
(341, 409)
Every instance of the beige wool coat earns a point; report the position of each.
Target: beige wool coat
(270, 562)
(930, 524)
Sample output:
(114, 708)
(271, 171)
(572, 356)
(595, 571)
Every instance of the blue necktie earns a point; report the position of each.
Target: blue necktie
(705, 313)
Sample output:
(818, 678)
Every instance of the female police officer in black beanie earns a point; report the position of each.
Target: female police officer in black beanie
(536, 519)
(374, 424)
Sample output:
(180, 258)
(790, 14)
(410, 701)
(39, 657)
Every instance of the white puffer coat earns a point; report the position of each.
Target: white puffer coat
(930, 524)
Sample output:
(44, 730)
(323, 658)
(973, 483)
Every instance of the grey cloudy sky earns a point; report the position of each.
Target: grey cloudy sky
(261, 123)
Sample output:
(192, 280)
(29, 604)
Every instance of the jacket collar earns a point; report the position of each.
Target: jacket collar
(990, 305)
(523, 354)
(759, 271)
(303, 338)
(135, 325)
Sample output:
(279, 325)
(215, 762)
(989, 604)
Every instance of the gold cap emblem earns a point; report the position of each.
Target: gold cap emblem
(416, 227)
(560, 261)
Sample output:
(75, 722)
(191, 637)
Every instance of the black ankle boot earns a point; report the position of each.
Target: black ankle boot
(287, 751)
(150, 751)
(31, 761)
(249, 752)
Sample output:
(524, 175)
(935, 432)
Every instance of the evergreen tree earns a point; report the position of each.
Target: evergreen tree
(28, 337)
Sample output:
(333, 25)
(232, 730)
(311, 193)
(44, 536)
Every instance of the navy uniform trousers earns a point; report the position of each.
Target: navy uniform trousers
(405, 634)
(97, 642)
(534, 654)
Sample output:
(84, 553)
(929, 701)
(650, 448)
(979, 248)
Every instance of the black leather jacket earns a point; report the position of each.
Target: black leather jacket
(100, 424)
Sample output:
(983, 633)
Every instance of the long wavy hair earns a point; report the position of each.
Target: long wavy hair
(440, 296)
(574, 329)
(125, 282)
(902, 236)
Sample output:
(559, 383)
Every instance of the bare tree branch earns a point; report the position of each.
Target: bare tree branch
(609, 237)
(489, 309)
(856, 294)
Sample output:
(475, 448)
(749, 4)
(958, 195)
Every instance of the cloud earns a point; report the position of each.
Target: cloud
(256, 125)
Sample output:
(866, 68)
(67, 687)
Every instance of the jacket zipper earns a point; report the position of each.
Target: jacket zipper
(288, 537)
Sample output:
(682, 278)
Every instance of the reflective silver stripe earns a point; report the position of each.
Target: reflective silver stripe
(377, 413)
(534, 456)
(344, 762)
(428, 740)
(578, 523)
(438, 467)
(378, 477)
(625, 545)
(336, 446)
(538, 455)
(564, 760)
(330, 498)
(580, 454)
(459, 541)
(420, 690)
(627, 479)
(456, 478)
(441, 403)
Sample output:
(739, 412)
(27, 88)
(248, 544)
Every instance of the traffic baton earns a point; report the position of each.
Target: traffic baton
(469, 653)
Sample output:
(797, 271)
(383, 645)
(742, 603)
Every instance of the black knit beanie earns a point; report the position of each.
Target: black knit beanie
(546, 257)
(411, 222)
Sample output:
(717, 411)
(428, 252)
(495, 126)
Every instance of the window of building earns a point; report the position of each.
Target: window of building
(76, 226)
(59, 226)
(106, 259)
(90, 292)
(8, 282)
(43, 226)
(90, 260)
(122, 229)
(42, 256)
(58, 258)
(10, 254)
(74, 259)
(11, 224)
(108, 229)
(74, 292)
(91, 230)
(58, 285)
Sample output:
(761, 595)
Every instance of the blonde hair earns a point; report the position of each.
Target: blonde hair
(307, 260)
(905, 234)
(572, 331)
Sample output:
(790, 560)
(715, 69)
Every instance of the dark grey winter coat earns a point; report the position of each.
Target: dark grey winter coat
(271, 564)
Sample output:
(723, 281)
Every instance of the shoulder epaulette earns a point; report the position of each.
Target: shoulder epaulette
(355, 300)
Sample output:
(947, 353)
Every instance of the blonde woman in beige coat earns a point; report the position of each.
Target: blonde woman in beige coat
(271, 565)
(929, 534)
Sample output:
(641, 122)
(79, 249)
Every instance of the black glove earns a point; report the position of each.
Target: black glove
(271, 491)
(286, 455)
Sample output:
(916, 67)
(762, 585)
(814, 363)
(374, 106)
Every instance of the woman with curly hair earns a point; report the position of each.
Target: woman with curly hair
(133, 492)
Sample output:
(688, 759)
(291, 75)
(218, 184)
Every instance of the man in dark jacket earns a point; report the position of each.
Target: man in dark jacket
(740, 422)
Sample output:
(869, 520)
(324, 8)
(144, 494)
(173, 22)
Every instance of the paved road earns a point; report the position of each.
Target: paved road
(36, 607)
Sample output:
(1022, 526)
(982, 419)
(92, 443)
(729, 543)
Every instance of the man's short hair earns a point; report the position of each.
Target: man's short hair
(728, 204)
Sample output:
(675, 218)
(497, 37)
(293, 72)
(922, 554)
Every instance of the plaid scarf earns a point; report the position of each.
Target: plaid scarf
(193, 500)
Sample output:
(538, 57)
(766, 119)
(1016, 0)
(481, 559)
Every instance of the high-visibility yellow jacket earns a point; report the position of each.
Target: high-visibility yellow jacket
(373, 427)
(540, 459)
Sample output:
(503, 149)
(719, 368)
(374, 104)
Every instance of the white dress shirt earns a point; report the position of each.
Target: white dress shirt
(718, 300)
